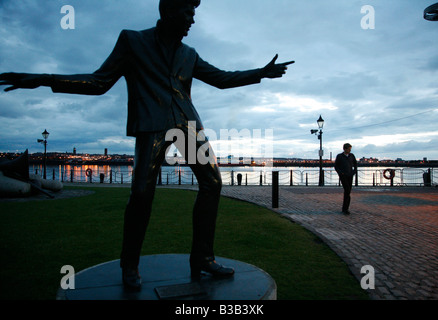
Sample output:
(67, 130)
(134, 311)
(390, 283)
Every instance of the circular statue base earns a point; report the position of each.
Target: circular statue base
(167, 277)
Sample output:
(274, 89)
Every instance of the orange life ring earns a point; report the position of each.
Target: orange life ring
(88, 172)
(391, 174)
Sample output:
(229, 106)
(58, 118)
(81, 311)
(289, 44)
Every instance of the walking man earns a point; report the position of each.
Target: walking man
(346, 167)
(159, 69)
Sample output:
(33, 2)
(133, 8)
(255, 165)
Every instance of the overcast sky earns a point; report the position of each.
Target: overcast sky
(375, 88)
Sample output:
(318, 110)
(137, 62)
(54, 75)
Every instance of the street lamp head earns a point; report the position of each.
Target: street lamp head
(45, 134)
(320, 122)
(431, 12)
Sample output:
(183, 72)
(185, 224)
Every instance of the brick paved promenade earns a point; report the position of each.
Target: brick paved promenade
(395, 230)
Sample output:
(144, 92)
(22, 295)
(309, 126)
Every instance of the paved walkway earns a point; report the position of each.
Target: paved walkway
(394, 230)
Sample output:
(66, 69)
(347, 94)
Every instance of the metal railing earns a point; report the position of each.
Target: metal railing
(310, 177)
(237, 176)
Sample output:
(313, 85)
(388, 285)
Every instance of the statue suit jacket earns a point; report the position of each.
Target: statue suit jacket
(152, 81)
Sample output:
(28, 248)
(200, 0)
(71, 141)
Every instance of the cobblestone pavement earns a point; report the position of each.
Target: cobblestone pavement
(394, 230)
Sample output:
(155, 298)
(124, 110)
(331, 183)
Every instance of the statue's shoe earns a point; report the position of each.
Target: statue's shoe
(209, 265)
(131, 279)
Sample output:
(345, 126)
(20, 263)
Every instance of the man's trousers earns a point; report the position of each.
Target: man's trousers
(347, 184)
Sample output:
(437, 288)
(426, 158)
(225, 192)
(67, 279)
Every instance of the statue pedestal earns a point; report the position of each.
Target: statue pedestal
(167, 277)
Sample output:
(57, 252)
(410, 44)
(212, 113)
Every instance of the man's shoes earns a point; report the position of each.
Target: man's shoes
(346, 212)
(131, 279)
(211, 266)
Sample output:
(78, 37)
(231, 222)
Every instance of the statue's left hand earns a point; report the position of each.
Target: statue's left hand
(272, 70)
(21, 80)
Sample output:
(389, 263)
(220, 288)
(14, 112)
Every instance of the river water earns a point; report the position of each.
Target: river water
(367, 176)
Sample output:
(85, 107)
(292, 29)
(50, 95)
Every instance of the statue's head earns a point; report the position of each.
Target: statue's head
(179, 14)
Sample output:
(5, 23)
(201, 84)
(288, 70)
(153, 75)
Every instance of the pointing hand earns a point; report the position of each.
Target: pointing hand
(272, 70)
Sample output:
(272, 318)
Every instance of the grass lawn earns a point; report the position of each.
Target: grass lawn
(39, 237)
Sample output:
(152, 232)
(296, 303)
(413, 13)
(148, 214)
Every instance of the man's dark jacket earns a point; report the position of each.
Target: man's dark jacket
(151, 80)
(346, 165)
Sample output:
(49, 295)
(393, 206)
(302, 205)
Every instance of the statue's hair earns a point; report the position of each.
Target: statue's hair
(166, 6)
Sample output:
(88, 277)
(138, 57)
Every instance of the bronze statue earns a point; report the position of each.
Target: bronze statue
(158, 69)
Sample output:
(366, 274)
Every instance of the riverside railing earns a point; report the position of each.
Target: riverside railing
(238, 176)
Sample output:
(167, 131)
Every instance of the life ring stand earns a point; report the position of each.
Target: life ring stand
(88, 172)
(391, 174)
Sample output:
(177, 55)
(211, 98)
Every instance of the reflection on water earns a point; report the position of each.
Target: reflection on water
(83, 173)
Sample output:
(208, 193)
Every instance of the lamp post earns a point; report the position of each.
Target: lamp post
(431, 13)
(320, 123)
(45, 135)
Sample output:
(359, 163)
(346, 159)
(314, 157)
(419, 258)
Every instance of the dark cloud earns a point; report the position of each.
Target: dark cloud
(367, 84)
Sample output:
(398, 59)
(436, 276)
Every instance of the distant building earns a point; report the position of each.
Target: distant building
(368, 160)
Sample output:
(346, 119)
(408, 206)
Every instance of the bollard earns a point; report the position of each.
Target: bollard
(427, 178)
(179, 177)
(111, 176)
(239, 179)
(192, 179)
(291, 178)
(232, 177)
(261, 178)
(246, 179)
(121, 178)
(71, 175)
(274, 189)
(102, 177)
(53, 174)
(307, 180)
